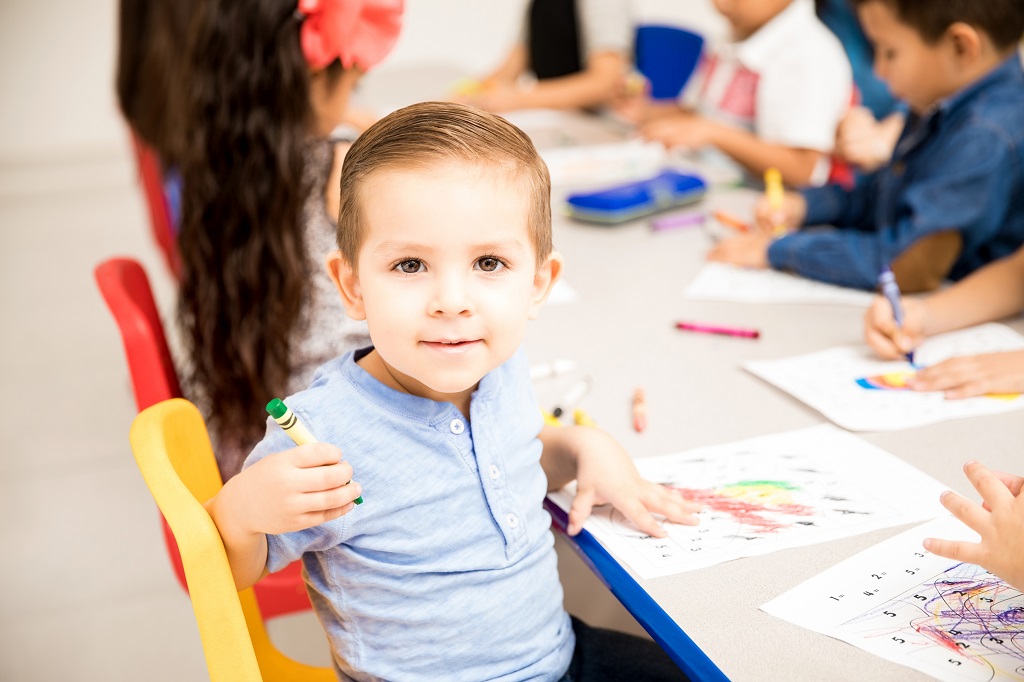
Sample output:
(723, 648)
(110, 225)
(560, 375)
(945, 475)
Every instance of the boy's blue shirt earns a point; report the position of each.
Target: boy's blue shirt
(959, 167)
(447, 571)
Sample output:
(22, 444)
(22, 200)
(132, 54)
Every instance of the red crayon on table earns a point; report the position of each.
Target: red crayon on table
(732, 221)
(715, 329)
(639, 410)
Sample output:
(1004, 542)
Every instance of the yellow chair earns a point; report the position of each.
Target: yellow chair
(173, 452)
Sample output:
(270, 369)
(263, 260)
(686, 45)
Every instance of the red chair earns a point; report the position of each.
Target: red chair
(125, 288)
(152, 178)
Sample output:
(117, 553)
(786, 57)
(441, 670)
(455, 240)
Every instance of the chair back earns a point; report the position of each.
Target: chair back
(174, 455)
(126, 290)
(151, 176)
(667, 57)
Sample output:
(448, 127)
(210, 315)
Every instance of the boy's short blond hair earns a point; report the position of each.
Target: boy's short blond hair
(425, 135)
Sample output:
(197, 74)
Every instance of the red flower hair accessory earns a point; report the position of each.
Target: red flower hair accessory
(358, 32)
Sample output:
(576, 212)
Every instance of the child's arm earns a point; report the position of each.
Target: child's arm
(1000, 524)
(598, 83)
(604, 473)
(750, 151)
(509, 70)
(283, 492)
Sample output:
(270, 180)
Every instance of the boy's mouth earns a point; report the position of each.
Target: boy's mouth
(454, 345)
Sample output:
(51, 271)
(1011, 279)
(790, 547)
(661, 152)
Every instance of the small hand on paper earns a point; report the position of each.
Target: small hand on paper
(973, 375)
(605, 474)
(1000, 523)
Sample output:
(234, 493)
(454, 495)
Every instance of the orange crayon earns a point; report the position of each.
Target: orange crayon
(730, 220)
(639, 410)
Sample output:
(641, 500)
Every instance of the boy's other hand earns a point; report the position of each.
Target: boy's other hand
(1000, 524)
(789, 217)
(292, 490)
(605, 474)
(745, 250)
(882, 334)
(865, 142)
(973, 375)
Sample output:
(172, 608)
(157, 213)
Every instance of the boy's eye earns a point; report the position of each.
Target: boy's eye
(410, 267)
(489, 264)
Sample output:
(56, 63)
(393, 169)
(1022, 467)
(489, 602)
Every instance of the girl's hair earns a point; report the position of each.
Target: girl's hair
(244, 269)
(151, 39)
(421, 136)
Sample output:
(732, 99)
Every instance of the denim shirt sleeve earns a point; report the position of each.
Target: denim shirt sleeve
(833, 205)
(968, 192)
(849, 258)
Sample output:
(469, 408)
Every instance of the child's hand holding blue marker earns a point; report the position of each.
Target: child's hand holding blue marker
(894, 326)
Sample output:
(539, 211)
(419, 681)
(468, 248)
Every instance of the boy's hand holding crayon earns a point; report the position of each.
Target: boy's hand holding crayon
(885, 337)
(788, 216)
(288, 491)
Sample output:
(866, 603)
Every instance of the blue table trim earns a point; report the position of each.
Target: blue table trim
(665, 631)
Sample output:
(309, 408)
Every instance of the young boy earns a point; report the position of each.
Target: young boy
(952, 197)
(772, 98)
(448, 569)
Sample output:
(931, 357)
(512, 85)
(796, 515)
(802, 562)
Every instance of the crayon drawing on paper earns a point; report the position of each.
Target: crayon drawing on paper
(766, 494)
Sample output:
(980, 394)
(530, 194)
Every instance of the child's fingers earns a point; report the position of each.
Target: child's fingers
(635, 510)
(582, 504)
(317, 517)
(1013, 482)
(314, 455)
(675, 508)
(970, 513)
(969, 552)
(946, 375)
(326, 477)
(326, 500)
(988, 485)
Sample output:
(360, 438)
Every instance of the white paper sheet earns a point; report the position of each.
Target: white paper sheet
(828, 381)
(604, 163)
(765, 494)
(721, 282)
(953, 621)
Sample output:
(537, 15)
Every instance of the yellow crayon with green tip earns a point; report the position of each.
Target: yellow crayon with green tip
(299, 434)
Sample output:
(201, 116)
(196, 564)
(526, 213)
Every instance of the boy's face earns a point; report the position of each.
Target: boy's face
(447, 275)
(915, 71)
(746, 16)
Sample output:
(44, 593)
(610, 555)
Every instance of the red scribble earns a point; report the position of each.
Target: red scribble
(939, 637)
(744, 511)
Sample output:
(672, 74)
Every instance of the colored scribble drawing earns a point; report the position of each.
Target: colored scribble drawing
(893, 381)
(766, 494)
(899, 381)
(762, 505)
(963, 623)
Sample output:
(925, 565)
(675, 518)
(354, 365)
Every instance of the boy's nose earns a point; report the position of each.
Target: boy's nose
(451, 296)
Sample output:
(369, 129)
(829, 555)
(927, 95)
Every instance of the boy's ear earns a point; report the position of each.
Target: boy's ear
(547, 274)
(347, 281)
(965, 39)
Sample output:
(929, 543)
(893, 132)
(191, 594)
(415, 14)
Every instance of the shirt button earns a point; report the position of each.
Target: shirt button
(495, 472)
(513, 520)
(457, 426)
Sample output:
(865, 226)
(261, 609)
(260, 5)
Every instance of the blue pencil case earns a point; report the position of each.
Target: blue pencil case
(619, 204)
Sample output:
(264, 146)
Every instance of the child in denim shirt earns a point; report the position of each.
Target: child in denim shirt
(952, 197)
(448, 570)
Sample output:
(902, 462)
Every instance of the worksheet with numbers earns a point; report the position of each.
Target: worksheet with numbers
(950, 620)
